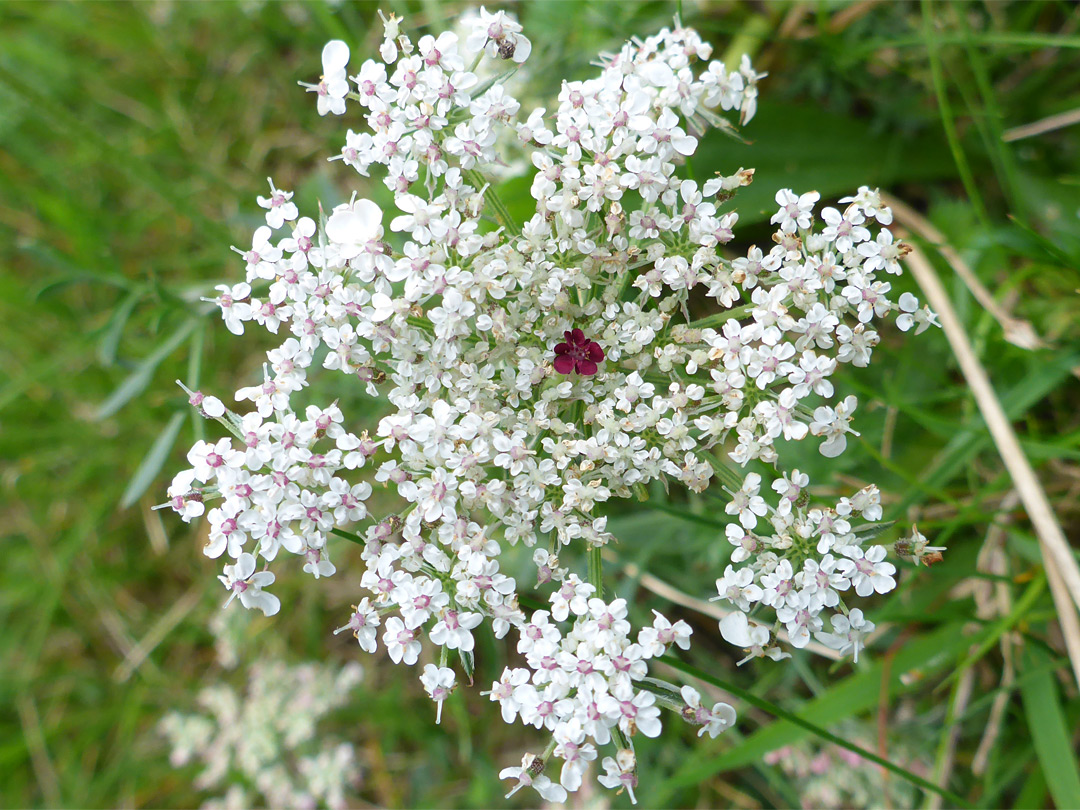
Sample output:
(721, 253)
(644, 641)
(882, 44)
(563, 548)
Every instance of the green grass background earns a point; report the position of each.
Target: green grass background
(133, 140)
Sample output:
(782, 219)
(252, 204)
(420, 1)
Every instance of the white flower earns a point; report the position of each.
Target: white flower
(333, 85)
(869, 202)
(574, 751)
(799, 619)
(242, 581)
(911, 314)
(738, 587)
(918, 549)
(234, 305)
(848, 632)
(438, 683)
(620, 773)
(400, 641)
(211, 460)
(363, 623)
(503, 691)
(572, 595)
(656, 640)
(746, 503)
(318, 564)
(795, 212)
(548, 790)
(452, 630)
(636, 711)
(280, 207)
(183, 498)
(867, 571)
(499, 35)
(833, 423)
(451, 330)
(736, 629)
(538, 632)
(846, 229)
(354, 227)
(712, 721)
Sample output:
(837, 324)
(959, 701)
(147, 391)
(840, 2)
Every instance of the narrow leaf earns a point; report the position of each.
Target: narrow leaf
(115, 330)
(154, 461)
(1045, 718)
(141, 376)
(783, 714)
(468, 664)
(869, 531)
(353, 538)
(857, 693)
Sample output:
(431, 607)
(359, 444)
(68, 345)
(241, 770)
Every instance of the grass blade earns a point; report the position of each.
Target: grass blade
(154, 461)
(1044, 714)
(857, 693)
(817, 730)
(141, 376)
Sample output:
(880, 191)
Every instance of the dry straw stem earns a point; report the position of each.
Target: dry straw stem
(1042, 126)
(1062, 572)
(1017, 331)
(991, 602)
(165, 625)
(44, 770)
(997, 563)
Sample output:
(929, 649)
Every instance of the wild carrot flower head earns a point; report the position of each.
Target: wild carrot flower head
(452, 317)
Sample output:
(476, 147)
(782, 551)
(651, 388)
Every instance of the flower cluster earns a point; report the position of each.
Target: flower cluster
(589, 686)
(279, 490)
(264, 742)
(831, 776)
(537, 371)
(802, 567)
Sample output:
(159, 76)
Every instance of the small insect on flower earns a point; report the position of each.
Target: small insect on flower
(578, 354)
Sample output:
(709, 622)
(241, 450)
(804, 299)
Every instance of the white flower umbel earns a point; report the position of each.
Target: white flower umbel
(533, 372)
(265, 741)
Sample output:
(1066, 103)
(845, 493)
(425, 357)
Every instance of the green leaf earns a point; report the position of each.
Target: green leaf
(352, 538)
(1045, 718)
(791, 718)
(141, 376)
(154, 461)
(833, 154)
(110, 342)
(1000, 627)
(1043, 378)
(468, 664)
(868, 531)
(855, 694)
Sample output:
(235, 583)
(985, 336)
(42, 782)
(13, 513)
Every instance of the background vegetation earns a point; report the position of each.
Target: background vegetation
(133, 141)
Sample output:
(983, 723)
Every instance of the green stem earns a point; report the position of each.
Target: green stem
(666, 695)
(948, 122)
(501, 212)
(596, 570)
(717, 318)
(548, 751)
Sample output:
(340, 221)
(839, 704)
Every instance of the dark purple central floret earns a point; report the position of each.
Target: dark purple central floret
(578, 354)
